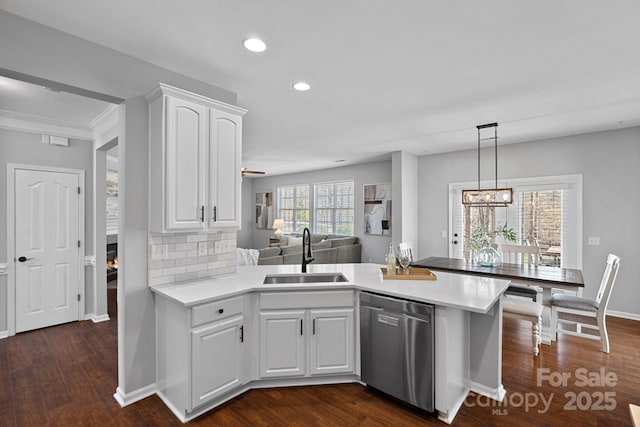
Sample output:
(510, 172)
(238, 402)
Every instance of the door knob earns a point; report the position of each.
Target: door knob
(24, 258)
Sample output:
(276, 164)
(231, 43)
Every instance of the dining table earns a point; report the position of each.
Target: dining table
(545, 277)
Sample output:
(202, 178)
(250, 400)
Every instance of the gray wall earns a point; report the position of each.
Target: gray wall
(33, 49)
(27, 148)
(247, 225)
(374, 248)
(608, 162)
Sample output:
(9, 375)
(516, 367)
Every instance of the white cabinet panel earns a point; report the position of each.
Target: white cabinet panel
(282, 343)
(332, 341)
(185, 145)
(216, 360)
(225, 156)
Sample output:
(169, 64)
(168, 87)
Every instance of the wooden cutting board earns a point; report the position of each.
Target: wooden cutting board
(415, 273)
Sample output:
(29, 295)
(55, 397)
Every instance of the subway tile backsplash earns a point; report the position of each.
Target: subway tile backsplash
(178, 257)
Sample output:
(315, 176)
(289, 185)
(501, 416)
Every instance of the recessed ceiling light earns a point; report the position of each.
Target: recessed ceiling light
(254, 45)
(301, 86)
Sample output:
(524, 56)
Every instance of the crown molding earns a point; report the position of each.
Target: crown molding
(105, 121)
(165, 89)
(45, 126)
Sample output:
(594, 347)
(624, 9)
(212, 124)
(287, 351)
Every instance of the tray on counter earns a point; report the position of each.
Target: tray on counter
(415, 273)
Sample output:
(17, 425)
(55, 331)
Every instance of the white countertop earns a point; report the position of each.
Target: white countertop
(471, 293)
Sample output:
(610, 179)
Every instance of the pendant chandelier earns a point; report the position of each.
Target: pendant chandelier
(488, 197)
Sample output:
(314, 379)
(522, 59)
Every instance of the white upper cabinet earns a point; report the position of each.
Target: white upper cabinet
(185, 148)
(195, 150)
(225, 155)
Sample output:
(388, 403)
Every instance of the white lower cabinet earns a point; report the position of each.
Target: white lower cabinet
(332, 341)
(309, 341)
(201, 354)
(282, 343)
(216, 357)
(210, 352)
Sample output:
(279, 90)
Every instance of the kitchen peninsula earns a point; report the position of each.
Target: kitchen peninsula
(221, 337)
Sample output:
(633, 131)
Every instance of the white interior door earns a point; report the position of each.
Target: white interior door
(46, 248)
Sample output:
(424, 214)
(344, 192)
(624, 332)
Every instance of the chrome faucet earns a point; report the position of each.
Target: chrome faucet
(306, 255)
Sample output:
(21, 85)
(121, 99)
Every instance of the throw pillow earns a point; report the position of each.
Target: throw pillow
(294, 241)
(269, 252)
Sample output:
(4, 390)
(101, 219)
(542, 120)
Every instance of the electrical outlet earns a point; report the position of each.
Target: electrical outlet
(158, 252)
(222, 246)
(593, 241)
(202, 248)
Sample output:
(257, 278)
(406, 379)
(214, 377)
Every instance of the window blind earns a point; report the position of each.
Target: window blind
(293, 207)
(334, 208)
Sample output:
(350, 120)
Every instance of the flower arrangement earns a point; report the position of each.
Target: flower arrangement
(480, 236)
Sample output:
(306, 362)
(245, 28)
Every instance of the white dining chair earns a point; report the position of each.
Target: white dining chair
(406, 249)
(523, 255)
(592, 313)
(529, 311)
(517, 308)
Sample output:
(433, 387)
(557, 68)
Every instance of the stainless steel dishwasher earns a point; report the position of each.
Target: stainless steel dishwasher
(397, 348)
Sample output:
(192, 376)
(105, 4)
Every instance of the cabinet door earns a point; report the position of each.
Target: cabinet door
(225, 179)
(217, 360)
(332, 343)
(282, 343)
(185, 164)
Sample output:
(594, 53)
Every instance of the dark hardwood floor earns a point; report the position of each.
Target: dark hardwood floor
(66, 376)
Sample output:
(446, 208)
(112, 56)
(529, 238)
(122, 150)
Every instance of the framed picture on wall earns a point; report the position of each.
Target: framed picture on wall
(377, 209)
(264, 210)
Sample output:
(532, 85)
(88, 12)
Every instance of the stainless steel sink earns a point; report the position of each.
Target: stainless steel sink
(273, 279)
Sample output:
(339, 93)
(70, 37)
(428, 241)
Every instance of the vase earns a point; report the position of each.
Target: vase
(486, 256)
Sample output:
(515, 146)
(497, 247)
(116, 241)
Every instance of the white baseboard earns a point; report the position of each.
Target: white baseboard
(631, 316)
(101, 318)
(447, 417)
(4, 334)
(125, 399)
(493, 393)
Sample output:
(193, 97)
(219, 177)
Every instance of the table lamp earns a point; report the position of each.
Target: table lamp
(278, 223)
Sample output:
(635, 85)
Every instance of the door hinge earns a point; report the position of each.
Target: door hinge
(78, 297)
(78, 190)
(78, 243)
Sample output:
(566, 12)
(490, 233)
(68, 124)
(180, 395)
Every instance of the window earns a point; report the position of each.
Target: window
(541, 223)
(334, 208)
(293, 207)
(547, 211)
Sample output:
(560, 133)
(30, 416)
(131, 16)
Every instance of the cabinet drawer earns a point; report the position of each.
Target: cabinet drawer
(307, 299)
(216, 310)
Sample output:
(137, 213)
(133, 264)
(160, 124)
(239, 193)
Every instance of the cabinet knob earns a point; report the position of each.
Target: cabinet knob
(221, 310)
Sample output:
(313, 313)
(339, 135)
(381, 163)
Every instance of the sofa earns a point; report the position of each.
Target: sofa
(326, 249)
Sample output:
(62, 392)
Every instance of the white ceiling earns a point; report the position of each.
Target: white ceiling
(412, 75)
(37, 103)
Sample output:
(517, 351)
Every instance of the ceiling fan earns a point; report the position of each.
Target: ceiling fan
(244, 171)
